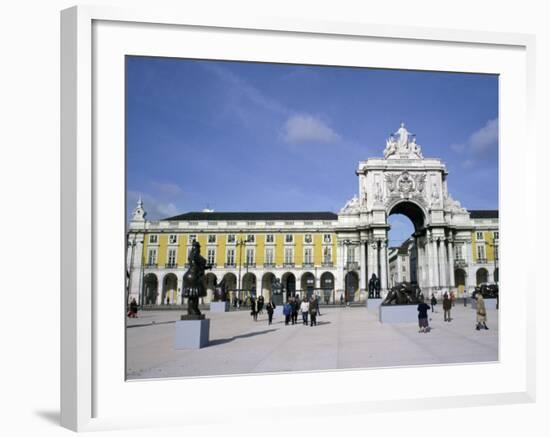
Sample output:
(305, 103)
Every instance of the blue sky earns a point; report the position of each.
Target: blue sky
(235, 136)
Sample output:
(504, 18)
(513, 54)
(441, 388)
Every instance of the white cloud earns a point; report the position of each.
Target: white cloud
(305, 128)
(485, 138)
(166, 188)
(481, 145)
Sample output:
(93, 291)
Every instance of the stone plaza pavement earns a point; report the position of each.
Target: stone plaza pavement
(346, 337)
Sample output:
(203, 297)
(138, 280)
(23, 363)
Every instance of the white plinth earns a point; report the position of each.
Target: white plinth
(490, 304)
(192, 334)
(398, 314)
(219, 307)
(373, 304)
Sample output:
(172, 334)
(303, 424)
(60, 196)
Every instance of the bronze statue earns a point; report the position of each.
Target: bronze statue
(193, 282)
(374, 287)
(403, 293)
(488, 291)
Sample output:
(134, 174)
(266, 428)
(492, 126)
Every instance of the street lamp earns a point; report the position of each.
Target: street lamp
(240, 243)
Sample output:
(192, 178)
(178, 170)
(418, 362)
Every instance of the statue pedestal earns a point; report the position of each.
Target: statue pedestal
(192, 334)
(219, 307)
(490, 304)
(373, 303)
(398, 314)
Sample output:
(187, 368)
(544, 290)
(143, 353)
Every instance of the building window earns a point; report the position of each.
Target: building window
(327, 238)
(212, 238)
(152, 257)
(231, 238)
(458, 251)
(250, 238)
(327, 255)
(269, 238)
(481, 252)
(289, 255)
(192, 238)
(230, 258)
(269, 256)
(153, 239)
(351, 254)
(479, 235)
(308, 255)
(289, 238)
(171, 257)
(495, 235)
(250, 256)
(172, 239)
(211, 256)
(308, 239)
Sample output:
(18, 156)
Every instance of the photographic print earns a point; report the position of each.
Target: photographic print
(285, 218)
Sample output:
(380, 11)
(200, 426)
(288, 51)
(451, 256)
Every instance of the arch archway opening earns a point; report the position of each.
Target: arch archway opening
(289, 285)
(412, 211)
(307, 284)
(169, 289)
(150, 289)
(327, 286)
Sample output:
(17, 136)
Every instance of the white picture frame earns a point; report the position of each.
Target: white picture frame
(94, 394)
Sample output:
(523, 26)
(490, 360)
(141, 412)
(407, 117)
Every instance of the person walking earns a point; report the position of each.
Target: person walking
(317, 305)
(452, 298)
(254, 308)
(312, 313)
(295, 309)
(481, 312)
(465, 296)
(133, 309)
(447, 304)
(423, 316)
(260, 304)
(270, 307)
(304, 308)
(433, 302)
(287, 311)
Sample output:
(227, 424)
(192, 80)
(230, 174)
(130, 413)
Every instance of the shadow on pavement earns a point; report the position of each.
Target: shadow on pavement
(227, 340)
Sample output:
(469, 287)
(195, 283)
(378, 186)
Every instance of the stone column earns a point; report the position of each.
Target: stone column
(451, 258)
(179, 290)
(428, 261)
(470, 269)
(435, 249)
(362, 267)
(383, 266)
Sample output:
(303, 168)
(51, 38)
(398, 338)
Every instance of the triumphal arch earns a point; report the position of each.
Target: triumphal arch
(403, 181)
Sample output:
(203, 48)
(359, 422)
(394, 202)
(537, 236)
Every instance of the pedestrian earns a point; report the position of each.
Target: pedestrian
(481, 312)
(423, 316)
(341, 299)
(270, 307)
(452, 298)
(433, 302)
(304, 308)
(465, 296)
(312, 313)
(317, 305)
(254, 308)
(133, 309)
(447, 304)
(260, 305)
(295, 309)
(287, 311)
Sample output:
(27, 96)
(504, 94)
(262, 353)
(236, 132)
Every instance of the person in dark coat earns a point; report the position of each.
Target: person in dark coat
(260, 304)
(423, 316)
(447, 304)
(295, 309)
(270, 307)
(287, 311)
(433, 302)
(133, 309)
(312, 313)
(254, 308)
